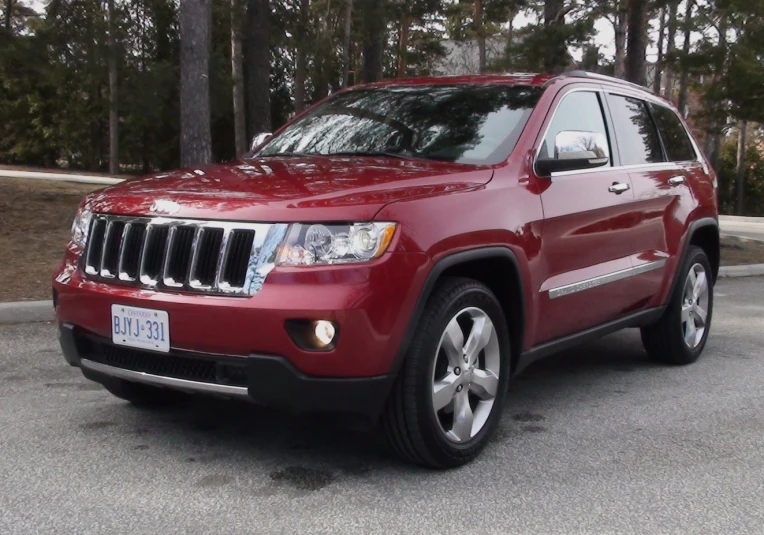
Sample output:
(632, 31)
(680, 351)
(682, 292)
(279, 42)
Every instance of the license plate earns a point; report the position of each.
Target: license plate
(140, 327)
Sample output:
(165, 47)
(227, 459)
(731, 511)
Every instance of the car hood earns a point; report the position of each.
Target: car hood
(287, 188)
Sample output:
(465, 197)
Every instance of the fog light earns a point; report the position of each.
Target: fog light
(325, 332)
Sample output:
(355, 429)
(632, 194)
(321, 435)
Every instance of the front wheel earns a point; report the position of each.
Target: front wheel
(449, 395)
(680, 335)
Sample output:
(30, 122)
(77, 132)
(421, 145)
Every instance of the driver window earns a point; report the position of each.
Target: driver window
(578, 113)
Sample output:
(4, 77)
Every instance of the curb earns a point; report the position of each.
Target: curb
(740, 219)
(748, 270)
(26, 312)
(62, 177)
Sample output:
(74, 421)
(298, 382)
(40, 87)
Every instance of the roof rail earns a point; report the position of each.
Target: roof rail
(596, 76)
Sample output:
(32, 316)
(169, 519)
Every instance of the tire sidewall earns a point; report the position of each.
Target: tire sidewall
(695, 256)
(479, 297)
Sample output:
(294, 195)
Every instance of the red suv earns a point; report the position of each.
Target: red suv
(401, 251)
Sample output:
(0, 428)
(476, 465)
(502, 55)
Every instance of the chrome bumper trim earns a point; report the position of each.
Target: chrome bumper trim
(166, 382)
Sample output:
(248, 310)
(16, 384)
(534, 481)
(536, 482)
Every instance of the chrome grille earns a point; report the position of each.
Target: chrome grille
(167, 254)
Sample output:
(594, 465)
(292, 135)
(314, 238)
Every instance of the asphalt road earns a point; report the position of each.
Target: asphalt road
(597, 440)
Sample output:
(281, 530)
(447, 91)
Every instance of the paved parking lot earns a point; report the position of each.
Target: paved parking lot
(597, 440)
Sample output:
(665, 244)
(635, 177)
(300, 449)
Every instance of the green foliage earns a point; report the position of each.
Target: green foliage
(754, 178)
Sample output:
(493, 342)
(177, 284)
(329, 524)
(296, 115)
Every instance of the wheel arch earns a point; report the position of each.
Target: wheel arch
(704, 233)
(488, 265)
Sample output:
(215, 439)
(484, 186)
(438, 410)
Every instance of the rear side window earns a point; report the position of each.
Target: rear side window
(638, 139)
(675, 138)
(579, 112)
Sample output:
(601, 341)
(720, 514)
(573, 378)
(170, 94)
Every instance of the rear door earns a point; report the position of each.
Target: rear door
(589, 221)
(658, 153)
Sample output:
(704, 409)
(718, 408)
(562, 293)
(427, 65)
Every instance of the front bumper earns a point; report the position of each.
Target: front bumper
(266, 380)
(371, 304)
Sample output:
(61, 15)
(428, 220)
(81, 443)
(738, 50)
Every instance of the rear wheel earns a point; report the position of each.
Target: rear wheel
(142, 395)
(680, 335)
(449, 395)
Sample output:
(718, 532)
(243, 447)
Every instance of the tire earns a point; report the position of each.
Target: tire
(143, 396)
(670, 340)
(435, 372)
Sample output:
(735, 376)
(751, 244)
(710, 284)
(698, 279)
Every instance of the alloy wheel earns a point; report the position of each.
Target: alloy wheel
(465, 377)
(695, 306)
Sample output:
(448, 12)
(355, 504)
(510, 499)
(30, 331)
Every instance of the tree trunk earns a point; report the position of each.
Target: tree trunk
(740, 169)
(373, 32)
(346, 44)
(113, 102)
(480, 34)
(684, 76)
(258, 67)
(237, 73)
(508, 47)
(659, 62)
(621, 18)
(8, 14)
(404, 40)
(668, 88)
(195, 136)
(301, 63)
(636, 42)
(718, 120)
(556, 54)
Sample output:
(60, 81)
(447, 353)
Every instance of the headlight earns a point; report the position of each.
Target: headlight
(306, 245)
(81, 227)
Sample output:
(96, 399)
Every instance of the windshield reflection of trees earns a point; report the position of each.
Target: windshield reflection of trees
(454, 123)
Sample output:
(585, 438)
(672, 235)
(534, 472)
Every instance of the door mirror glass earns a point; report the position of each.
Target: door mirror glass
(574, 150)
(259, 140)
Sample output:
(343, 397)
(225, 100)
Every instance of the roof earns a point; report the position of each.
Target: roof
(533, 79)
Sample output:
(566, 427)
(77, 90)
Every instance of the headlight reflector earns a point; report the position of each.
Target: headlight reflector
(335, 244)
(81, 227)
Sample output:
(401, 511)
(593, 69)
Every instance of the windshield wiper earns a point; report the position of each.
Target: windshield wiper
(287, 154)
(377, 153)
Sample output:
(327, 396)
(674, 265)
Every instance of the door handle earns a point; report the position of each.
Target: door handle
(618, 188)
(676, 180)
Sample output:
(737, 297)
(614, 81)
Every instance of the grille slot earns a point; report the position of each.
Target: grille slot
(111, 245)
(208, 252)
(214, 257)
(130, 258)
(95, 247)
(179, 256)
(153, 256)
(237, 259)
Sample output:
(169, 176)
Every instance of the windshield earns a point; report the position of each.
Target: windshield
(471, 124)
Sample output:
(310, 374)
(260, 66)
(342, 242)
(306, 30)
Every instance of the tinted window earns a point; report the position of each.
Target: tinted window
(460, 123)
(675, 139)
(638, 140)
(577, 112)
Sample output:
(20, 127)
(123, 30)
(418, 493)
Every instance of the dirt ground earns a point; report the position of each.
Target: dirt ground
(36, 218)
(35, 221)
(739, 251)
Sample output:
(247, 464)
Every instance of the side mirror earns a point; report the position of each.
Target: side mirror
(259, 140)
(575, 150)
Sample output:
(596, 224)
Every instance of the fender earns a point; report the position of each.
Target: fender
(693, 228)
(438, 269)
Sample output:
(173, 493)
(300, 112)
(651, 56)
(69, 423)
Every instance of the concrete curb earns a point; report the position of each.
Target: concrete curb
(740, 219)
(26, 312)
(748, 270)
(62, 177)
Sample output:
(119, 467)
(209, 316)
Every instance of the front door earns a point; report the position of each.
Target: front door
(589, 219)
